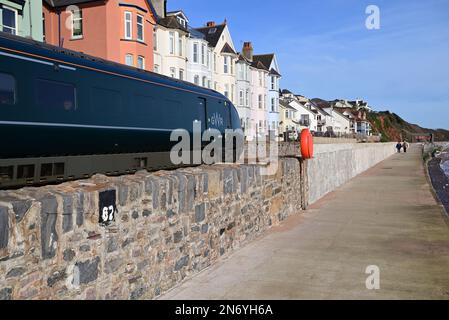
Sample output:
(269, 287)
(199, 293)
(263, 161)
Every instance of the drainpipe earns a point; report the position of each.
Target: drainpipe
(59, 27)
(31, 22)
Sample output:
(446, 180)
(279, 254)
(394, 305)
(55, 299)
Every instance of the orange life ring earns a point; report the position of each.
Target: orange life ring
(306, 144)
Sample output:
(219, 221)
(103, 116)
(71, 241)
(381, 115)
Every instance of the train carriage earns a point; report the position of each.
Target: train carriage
(65, 115)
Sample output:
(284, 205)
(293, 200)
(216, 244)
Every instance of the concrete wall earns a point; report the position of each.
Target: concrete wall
(335, 164)
(168, 226)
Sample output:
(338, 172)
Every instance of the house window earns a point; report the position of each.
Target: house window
(7, 89)
(180, 46)
(260, 79)
(181, 21)
(203, 54)
(240, 71)
(140, 35)
(196, 80)
(155, 39)
(204, 81)
(9, 17)
(226, 93)
(140, 62)
(156, 68)
(265, 102)
(215, 86)
(260, 124)
(215, 62)
(247, 98)
(273, 104)
(260, 101)
(172, 43)
(286, 114)
(226, 64)
(195, 52)
(209, 84)
(172, 72)
(77, 24)
(208, 58)
(241, 99)
(129, 60)
(232, 92)
(128, 25)
(273, 83)
(232, 66)
(181, 74)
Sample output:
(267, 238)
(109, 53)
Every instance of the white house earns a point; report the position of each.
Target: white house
(342, 124)
(243, 77)
(170, 44)
(223, 57)
(259, 93)
(199, 62)
(266, 66)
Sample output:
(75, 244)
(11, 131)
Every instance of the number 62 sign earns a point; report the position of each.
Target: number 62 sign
(108, 207)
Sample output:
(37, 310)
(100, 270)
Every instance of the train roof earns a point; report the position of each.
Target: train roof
(102, 64)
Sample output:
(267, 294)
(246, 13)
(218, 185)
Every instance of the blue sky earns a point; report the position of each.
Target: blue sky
(324, 49)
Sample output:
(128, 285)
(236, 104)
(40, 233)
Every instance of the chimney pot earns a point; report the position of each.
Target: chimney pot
(248, 51)
(211, 24)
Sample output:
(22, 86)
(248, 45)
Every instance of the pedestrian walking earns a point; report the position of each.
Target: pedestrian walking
(405, 146)
(399, 146)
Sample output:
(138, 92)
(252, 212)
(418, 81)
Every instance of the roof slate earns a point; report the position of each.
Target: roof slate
(212, 37)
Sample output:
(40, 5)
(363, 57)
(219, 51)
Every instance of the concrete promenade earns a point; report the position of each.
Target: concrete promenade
(386, 217)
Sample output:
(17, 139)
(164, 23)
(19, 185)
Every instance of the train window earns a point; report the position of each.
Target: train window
(57, 95)
(7, 89)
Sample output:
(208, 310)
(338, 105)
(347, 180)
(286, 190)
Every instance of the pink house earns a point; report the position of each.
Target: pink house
(109, 29)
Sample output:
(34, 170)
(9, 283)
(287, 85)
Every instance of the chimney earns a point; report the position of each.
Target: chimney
(248, 51)
(210, 23)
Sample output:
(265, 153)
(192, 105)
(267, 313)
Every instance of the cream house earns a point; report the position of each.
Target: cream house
(199, 59)
(170, 44)
(223, 58)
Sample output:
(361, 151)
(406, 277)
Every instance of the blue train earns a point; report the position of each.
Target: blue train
(65, 115)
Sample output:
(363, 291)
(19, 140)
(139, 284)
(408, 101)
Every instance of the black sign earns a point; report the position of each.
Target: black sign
(107, 206)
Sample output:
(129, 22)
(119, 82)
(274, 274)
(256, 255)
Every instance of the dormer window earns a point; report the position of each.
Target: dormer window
(181, 21)
(212, 31)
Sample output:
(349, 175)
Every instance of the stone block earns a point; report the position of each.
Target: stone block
(86, 271)
(200, 212)
(20, 208)
(4, 227)
(67, 214)
(49, 236)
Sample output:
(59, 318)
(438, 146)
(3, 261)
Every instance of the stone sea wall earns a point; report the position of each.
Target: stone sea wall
(166, 226)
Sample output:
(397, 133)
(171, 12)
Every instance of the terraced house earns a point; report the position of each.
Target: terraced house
(120, 31)
(199, 61)
(244, 89)
(223, 57)
(170, 42)
(22, 18)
